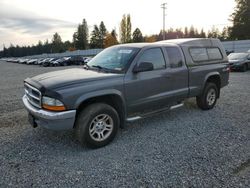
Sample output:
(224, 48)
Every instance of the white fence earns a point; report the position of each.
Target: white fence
(237, 46)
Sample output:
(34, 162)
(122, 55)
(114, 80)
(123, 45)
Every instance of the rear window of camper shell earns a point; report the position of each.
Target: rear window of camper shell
(203, 54)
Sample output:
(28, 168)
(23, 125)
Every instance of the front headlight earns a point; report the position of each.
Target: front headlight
(52, 104)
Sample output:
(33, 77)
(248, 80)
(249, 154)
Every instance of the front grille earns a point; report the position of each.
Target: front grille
(33, 95)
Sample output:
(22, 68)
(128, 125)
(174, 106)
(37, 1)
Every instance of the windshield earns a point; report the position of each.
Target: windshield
(236, 56)
(114, 59)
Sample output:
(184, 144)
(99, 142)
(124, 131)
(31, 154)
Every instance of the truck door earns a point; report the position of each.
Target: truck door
(146, 91)
(177, 72)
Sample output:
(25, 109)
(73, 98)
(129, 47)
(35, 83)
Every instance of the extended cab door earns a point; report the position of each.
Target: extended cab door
(146, 91)
(178, 72)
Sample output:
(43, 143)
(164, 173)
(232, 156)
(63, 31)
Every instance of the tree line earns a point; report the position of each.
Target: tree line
(100, 37)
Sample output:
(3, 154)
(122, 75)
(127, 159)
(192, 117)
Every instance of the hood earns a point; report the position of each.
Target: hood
(58, 79)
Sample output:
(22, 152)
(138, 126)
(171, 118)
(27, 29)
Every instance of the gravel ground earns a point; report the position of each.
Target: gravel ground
(182, 148)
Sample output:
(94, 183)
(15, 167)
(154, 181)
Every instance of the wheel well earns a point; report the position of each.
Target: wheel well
(113, 100)
(216, 80)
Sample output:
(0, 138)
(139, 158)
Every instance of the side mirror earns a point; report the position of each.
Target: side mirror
(143, 67)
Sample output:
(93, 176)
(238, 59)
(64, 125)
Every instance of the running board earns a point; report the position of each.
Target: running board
(154, 112)
(176, 106)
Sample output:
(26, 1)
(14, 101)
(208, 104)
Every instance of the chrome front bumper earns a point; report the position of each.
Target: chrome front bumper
(51, 120)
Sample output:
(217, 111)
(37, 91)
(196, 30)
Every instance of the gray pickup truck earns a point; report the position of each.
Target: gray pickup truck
(126, 83)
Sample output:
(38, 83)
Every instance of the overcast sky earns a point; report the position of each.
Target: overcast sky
(25, 22)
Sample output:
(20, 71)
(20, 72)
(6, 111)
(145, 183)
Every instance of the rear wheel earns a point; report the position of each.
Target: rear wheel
(97, 125)
(209, 97)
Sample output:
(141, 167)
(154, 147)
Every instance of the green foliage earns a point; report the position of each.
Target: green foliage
(241, 21)
(125, 29)
(57, 45)
(214, 33)
(179, 33)
(137, 35)
(95, 38)
(98, 36)
(81, 36)
(40, 48)
(103, 32)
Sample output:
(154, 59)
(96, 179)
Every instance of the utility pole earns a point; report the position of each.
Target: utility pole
(164, 7)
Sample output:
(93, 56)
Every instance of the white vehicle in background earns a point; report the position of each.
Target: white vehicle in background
(31, 61)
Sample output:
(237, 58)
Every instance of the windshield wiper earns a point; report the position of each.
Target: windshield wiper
(101, 68)
(98, 66)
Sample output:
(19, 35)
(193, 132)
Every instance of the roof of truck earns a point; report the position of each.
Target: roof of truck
(181, 42)
(191, 41)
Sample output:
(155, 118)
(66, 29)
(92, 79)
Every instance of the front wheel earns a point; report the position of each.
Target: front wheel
(97, 125)
(208, 98)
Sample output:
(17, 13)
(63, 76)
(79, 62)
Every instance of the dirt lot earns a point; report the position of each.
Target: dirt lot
(183, 148)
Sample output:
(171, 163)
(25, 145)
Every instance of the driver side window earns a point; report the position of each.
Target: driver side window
(155, 57)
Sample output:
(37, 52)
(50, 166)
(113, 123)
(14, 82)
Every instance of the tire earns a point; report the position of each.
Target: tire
(209, 97)
(97, 125)
(244, 68)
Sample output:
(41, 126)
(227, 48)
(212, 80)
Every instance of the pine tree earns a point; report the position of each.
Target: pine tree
(95, 38)
(241, 20)
(82, 35)
(103, 33)
(202, 34)
(57, 43)
(137, 35)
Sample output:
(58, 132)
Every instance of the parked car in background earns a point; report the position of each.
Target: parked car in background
(46, 62)
(23, 61)
(77, 60)
(31, 61)
(65, 61)
(40, 62)
(239, 61)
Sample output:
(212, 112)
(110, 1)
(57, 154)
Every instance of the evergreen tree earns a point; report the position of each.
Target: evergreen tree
(191, 32)
(224, 34)
(103, 33)
(241, 20)
(186, 32)
(82, 35)
(95, 38)
(214, 33)
(137, 35)
(74, 39)
(57, 45)
(202, 34)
